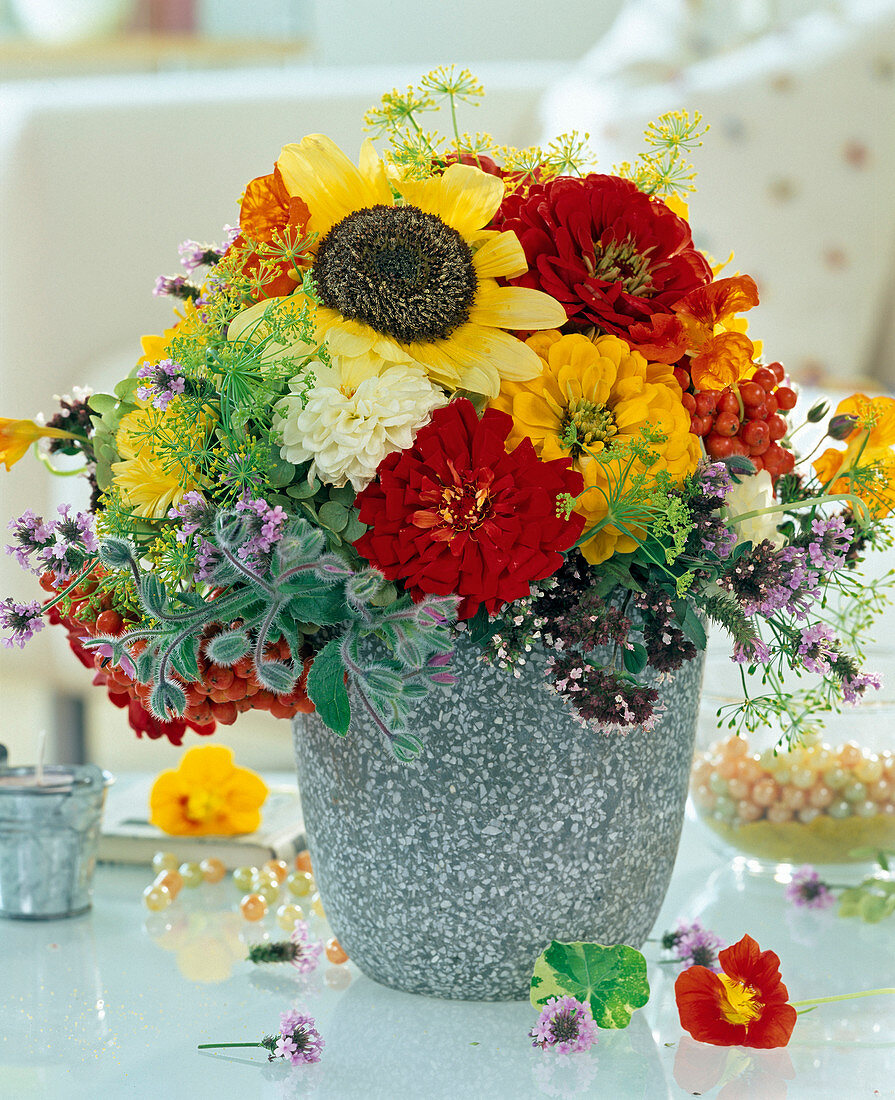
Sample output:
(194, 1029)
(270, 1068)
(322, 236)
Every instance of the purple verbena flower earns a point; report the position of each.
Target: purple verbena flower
(565, 1023)
(808, 890)
(830, 543)
(697, 946)
(715, 484)
(299, 1041)
(306, 954)
(754, 652)
(175, 286)
(23, 620)
(818, 648)
(32, 536)
(162, 381)
(194, 255)
(853, 687)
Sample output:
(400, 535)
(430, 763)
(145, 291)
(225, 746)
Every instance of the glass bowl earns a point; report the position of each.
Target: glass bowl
(829, 801)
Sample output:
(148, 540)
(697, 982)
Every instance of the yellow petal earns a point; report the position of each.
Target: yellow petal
(501, 255)
(465, 198)
(496, 352)
(515, 307)
(318, 171)
(344, 337)
(372, 169)
(533, 412)
(209, 766)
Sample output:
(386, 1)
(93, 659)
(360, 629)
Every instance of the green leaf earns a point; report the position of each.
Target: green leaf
(690, 624)
(326, 687)
(126, 390)
(612, 979)
(636, 658)
(325, 608)
(153, 596)
(303, 490)
(228, 647)
(334, 516)
(872, 908)
(353, 528)
(184, 660)
(102, 402)
(344, 495)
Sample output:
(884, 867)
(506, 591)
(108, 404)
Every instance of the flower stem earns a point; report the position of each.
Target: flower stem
(220, 1046)
(840, 997)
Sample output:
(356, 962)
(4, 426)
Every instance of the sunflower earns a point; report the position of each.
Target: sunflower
(592, 397)
(414, 280)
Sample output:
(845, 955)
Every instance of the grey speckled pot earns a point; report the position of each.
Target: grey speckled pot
(518, 826)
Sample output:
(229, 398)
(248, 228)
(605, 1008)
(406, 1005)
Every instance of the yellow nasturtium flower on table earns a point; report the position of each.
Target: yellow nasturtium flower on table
(867, 465)
(16, 436)
(207, 795)
(414, 282)
(593, 396)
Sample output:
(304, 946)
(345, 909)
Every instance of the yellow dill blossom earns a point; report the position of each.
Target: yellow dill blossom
(149, 480)
(188, 324)
(591, 398)
(414, 282)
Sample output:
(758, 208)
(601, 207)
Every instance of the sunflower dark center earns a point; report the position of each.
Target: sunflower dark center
(400, 271)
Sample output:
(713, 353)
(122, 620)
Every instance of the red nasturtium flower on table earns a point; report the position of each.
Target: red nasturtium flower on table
(745, 1005)
(457, 513)
(614, 257)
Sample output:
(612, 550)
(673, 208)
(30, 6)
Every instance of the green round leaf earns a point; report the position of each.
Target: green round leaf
(612, 979)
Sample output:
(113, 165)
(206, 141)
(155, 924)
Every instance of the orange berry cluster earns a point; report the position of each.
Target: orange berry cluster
(744, 419)
(219, 696)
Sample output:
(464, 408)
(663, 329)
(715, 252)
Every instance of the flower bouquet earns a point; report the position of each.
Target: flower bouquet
(453, 392)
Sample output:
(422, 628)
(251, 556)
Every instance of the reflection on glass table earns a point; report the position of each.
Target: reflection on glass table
(117, 1001)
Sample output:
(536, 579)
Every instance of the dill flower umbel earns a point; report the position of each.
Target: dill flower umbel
(356, 414)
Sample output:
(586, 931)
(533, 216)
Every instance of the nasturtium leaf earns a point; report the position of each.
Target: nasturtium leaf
(612, 979)
(326, 687)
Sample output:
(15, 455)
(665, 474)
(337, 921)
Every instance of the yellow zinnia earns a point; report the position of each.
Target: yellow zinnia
(870, 448)
(592, 396)
(414, 281)
(149, 481)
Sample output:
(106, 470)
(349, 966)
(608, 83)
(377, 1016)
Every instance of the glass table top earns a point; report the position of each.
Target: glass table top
(115, 1002)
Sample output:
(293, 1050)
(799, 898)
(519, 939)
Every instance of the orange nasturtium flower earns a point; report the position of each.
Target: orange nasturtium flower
(16, 436)
(721, 354)
(746, 1005)
(870, 448)
(207, 795)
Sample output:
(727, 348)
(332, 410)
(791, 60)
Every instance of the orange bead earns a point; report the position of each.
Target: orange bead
(303, 861)
(212, 870)
(253, 907)
(335, 952)
(173, 880)
(278, 866)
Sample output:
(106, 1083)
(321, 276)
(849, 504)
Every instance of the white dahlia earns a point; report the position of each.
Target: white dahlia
(356, 414)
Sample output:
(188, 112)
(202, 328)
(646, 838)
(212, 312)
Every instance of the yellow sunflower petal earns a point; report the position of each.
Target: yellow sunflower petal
(318, 171)
(344, 337)
(515, 307)
(501, 255)
(464, 197)
(496, 352)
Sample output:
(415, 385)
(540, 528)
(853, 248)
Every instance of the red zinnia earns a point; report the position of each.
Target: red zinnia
(456, 513)
(746, 1005)
(613, 256)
